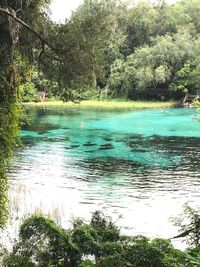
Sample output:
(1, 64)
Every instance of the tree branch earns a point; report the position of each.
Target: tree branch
(8, 13)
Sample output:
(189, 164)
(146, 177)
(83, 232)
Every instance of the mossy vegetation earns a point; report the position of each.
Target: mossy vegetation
(9, 129)
(9, 108)
(104, 105)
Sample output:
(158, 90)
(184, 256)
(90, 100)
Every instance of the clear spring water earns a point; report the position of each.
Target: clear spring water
(138, 167)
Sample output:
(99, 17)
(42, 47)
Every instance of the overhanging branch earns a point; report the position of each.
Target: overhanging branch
(8, 13)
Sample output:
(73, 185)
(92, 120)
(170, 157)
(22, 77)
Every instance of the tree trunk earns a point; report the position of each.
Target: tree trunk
(93, 71)
(8, 99)
(8, 41)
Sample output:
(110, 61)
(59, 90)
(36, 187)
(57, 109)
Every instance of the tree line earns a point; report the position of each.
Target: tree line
(107, 48)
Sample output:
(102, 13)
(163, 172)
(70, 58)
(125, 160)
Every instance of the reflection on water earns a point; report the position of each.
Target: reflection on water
(139, 167)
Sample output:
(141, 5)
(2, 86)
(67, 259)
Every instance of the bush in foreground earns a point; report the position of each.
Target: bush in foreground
(99, 243)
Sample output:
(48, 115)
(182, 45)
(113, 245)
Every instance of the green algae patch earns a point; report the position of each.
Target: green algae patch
(104, 105)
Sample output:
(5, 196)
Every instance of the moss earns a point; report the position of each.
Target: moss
(9, 108)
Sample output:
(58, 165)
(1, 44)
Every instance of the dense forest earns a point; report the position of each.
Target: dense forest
(106, 49)
(109, 49)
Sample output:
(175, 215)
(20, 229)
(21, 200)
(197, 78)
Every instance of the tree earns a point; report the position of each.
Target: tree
(8, 98)
(88, 43)
(192, 11)
(11, 28)
(189, 224)
(152, 67)
(42, 243)
(140, 23)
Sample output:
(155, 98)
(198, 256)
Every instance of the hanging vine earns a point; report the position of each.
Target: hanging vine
(10, 109)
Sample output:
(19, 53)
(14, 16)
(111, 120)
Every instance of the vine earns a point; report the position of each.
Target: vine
(9, 107)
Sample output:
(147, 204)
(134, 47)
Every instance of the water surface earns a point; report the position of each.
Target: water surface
(139, 167)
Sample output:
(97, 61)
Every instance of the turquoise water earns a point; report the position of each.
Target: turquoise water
(139, 167)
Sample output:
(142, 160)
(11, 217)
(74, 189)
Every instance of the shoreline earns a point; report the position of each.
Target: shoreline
(104, 105)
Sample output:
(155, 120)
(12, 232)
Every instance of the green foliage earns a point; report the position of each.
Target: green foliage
(193, 257)
(98, 238)
(9, 129)
(32, 81)
(87, 43)
(189, 224)
(140, 23)
(181, 84)
(11, 68)
(99, 243)
(105, 228)
(154, 67)
(40, 83)
(139, 51)
(197, 104)
(87, 263)
(143, 255)
(42, 240)
(146, 51)
(10, 112)
(28, 92)
(12, 260)
(172, 256)
(77, 94)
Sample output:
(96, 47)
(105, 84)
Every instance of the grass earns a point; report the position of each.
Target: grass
(104, 105)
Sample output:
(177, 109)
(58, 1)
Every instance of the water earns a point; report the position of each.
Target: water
(138, 167)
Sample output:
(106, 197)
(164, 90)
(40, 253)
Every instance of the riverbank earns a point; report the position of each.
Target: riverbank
(104, 105)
